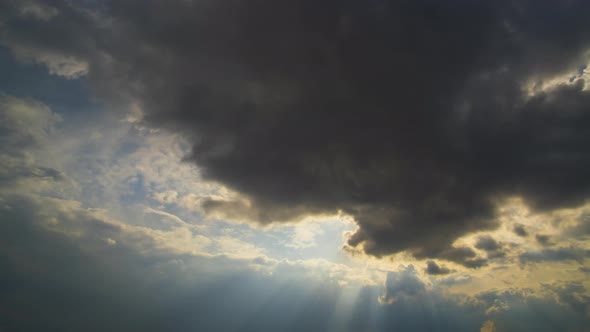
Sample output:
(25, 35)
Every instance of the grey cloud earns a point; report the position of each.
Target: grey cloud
(510, 310)
(411, 116)
(572, 294)
(475, 263)
(542, 239)
(556, 255)
(492, 247)
(487, 243)
(51, 282)
(435, 269)
(523, 310)
(402, 284)
(582, 229)
(461, 255)
(520, 231)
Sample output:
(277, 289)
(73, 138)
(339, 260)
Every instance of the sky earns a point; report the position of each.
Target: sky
(294, 165)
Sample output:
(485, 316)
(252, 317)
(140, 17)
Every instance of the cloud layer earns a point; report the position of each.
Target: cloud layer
(415, 117)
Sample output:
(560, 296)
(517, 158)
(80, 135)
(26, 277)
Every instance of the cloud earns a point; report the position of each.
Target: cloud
(58, 64)
(542, 239)
(573, 294)
(40, 11)
(488, 326)
(305, 235)
(520, 231)
(55, 261)
(25, 126)
(492, 247)
(556, 255)
(487, 243)
(413, 117)
(434, 269)
(67, 261)
(461, 255)
(404, 283)
(455, 280)
(414, 306)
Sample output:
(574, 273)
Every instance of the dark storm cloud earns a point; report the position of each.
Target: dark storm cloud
(412, 116)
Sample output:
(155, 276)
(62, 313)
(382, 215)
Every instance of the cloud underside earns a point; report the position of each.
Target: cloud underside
(415, 117)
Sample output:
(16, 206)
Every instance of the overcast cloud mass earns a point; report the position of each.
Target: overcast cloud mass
(294, 165)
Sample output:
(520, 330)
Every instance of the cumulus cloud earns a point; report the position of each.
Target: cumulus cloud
(415, 117)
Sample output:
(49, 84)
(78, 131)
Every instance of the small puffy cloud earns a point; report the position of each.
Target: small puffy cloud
(487, 243)
(434, 269)
(543, 239)
(520, 231)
